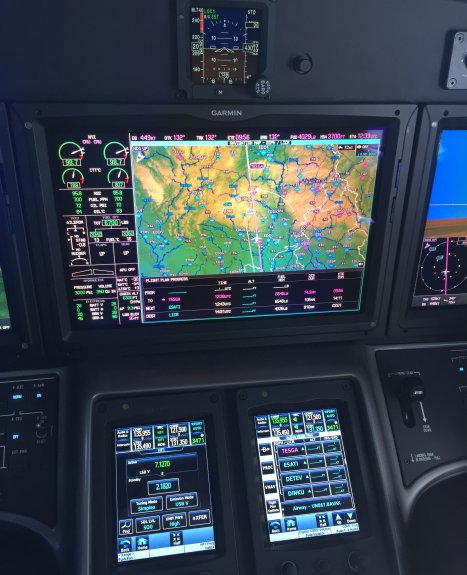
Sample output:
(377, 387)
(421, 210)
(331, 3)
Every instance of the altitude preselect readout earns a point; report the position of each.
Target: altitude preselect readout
(225, 44)
(304, 475)
(177, 227)
(442, 271)
(163, 491)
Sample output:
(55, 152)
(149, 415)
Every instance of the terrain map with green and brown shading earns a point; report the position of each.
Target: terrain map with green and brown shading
(223, 209)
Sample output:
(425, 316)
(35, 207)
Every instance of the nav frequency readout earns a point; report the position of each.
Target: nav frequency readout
(163, 491)
(182, 227)
(304, 475)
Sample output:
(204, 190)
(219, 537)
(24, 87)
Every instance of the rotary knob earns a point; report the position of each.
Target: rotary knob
(302, 64)
(262, 87)
(42, 430)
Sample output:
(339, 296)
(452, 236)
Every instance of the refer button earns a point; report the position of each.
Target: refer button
(199, 517)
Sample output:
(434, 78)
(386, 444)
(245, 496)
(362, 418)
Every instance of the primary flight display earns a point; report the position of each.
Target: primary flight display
(442, 271)
(193, 226)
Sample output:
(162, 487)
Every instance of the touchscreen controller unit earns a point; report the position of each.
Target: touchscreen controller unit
(163, 491)
(305, 478)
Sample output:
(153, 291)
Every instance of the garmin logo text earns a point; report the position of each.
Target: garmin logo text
(228, 113)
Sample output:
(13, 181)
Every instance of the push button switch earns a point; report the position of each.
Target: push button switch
(464, 395)
(358, 562)
(323, 566)
(289, 568)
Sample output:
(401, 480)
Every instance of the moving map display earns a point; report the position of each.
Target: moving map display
(442, 271)
(5, 323)
(304, 475)
(171, 227)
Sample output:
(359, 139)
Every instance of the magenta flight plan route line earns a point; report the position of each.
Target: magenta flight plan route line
(447, 268)
(252, 194)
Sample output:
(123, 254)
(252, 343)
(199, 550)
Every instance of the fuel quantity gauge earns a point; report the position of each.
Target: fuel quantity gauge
(115, 154)
(71, 154)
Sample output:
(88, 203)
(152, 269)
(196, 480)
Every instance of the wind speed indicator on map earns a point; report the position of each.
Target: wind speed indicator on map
(225, 44)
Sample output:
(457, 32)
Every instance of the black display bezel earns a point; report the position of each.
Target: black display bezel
(41, 196)
(74, 324)
(220, 91)
(110, 414)
(407, 320)
(337, 394)
(22, 340)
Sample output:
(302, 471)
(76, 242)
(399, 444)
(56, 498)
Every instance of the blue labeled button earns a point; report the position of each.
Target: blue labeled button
(124, 545)
(125, 527)
(173, 521)
(142, 543)
(275, 527)
(176, 539)
(148, 524)
(291, 524)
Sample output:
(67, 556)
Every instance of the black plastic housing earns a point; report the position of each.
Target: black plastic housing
(111, 413)
(23, 341)
(332, 550)
(405, 320)
(33, 160)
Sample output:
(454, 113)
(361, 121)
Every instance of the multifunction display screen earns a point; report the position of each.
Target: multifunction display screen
(174, 227)
(442, 270)
(5, 323)
(304, 475)
(163, 491)
(225, 44)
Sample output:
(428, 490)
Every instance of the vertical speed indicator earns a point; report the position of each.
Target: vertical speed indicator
(225, 45)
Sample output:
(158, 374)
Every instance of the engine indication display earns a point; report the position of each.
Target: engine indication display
(163, 491)
(225, 44)
(304, 475)
(178, 227)
(442, 271)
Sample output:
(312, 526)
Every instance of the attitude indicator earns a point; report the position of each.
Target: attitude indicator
(225, 45)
